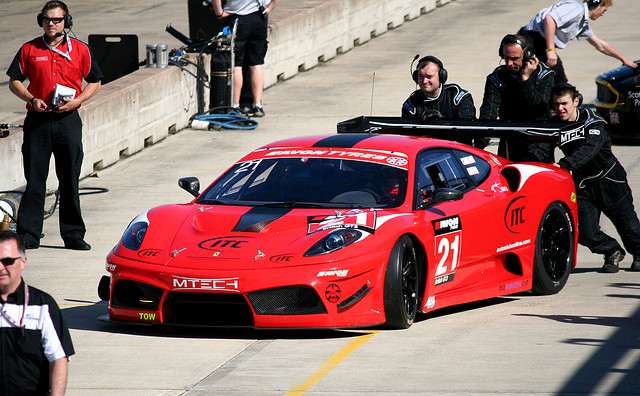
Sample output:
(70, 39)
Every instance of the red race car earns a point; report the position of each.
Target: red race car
(346, 230)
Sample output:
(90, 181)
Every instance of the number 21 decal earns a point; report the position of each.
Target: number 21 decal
(449, 249)
(448, 232)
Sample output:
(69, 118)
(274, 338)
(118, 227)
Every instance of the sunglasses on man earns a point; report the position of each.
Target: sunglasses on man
(7, 261)
(55, 21)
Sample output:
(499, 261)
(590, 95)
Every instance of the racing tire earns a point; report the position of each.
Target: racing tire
(401, 285)
(554, 254)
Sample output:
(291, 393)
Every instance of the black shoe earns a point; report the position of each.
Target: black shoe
(244, 110)
(257, 111)
(612, 261)
(31, 245)
(76, 244)
(635, 266)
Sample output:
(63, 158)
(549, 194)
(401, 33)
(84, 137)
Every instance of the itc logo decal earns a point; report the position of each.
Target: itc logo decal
(224, 243)
(516, 215)
(149, 253)
(283, 258)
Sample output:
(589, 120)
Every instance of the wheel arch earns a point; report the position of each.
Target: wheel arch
(421, 255)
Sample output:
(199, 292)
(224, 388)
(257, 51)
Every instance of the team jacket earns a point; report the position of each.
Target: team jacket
(452, 103)
(509, 98)
(25, 353)
(587, 150)
(44, 67)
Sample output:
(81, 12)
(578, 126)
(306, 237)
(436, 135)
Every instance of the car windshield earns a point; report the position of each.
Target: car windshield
(309, 182)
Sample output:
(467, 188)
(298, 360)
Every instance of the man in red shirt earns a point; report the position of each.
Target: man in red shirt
(55, 65)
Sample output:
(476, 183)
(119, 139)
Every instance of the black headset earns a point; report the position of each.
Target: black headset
(593, 3)
(442, 72)
(68, 19)
(565, 85)
(527, 52)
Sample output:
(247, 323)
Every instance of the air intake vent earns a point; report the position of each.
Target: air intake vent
(207, 309)
(136, 295)
(289, 300)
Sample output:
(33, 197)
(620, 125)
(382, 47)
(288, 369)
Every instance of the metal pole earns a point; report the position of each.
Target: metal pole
(233, 58)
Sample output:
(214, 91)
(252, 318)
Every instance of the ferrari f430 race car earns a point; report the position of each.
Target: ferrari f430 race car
(346, 230)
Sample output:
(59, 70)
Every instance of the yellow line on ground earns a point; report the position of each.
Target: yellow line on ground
(328, 365)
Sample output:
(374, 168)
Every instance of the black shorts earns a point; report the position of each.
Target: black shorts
(251, 39)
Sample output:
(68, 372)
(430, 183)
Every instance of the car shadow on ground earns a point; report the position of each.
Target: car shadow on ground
(468, 307)
(610, 356)
(91, 316)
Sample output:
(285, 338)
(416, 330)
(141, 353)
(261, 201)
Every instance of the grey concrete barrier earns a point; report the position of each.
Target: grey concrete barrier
(318, 30)
(145, 106)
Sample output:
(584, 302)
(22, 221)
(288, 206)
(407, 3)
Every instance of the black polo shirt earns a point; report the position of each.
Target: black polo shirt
(25, 352)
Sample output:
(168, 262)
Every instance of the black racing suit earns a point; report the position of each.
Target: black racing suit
(452, 103)
(601, 186)
(509, 98)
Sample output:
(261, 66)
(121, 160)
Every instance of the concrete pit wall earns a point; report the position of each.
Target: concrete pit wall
(143, 107)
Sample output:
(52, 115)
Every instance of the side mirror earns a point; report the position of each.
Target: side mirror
(190, 185)
(442, 195)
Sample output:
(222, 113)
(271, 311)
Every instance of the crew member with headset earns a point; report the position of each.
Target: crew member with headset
(435, 99)
(555, 26)
(55, 65)
(601, 181)
(519, 90)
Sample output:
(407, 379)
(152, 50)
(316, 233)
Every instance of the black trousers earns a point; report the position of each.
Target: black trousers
(60, 135)
(613, 197)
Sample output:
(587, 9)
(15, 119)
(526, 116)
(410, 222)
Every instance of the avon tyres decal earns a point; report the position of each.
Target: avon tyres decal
(448, 237)
(396, 159)
(365, 221)
(515, 216)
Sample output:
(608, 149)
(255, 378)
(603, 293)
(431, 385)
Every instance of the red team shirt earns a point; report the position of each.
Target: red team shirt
(45, 67)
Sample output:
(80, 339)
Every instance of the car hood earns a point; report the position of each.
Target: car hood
(235, 237)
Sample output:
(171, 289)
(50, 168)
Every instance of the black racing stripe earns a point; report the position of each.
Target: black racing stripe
(343, 140)
(256, 219)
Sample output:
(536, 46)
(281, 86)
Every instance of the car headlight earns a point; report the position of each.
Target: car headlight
(334, 241)
(133, 236)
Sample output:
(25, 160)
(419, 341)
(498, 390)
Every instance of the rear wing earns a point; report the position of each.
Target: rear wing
(452, 129)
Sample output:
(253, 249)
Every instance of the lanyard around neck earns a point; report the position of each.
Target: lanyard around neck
(66, 55)
(9, 319)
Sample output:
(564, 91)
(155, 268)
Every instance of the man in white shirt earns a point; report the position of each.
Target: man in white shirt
(554, 27)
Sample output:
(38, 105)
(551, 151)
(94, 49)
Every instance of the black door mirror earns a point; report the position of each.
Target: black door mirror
(190, 184)
(442, 195)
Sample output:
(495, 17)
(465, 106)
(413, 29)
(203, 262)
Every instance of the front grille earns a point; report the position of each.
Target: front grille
(135, 295)
(288, 300)
(207, 309)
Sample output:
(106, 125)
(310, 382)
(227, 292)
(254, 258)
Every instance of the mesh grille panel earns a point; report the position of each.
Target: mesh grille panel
(288, 300)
